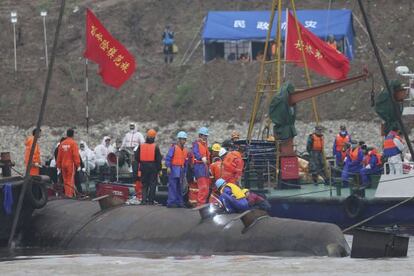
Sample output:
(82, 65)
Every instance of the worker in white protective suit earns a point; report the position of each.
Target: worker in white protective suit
(132, 139)
(102, 150)
(87, 156)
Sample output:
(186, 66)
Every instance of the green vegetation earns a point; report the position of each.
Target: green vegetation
(183, 95)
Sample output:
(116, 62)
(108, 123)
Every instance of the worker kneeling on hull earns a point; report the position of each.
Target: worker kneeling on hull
(232, 197)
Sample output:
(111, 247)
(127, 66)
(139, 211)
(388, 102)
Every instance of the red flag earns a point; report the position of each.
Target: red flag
(116, 64)
(320, 57)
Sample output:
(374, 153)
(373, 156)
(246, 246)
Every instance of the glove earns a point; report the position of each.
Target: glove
(58, 171)
(204, 159)
(78, 169)
(37, 165)
(84, 169)
(168, 170)
(368, 167)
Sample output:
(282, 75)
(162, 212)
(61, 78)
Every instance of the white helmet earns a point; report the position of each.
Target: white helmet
(222, 152)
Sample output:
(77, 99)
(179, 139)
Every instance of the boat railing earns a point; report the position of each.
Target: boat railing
(407, 168)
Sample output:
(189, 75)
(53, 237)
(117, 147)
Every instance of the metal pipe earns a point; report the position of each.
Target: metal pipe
(15, 49)
(385, 78)
(45, 38)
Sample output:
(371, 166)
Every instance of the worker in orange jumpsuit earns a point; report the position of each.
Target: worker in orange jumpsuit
(201, 165)
(68, 162)
(233, 165)
(34, 169)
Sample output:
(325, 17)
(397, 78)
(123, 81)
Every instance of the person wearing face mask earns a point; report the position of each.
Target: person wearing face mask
(87, 156)
(341, 139)
(132, 139)
(352, 162)
(102, 150)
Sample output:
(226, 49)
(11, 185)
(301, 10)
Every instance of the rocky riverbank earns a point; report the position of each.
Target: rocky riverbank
(12, 137)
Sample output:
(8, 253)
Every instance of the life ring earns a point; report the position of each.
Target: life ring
(353, 206)
(36, 194)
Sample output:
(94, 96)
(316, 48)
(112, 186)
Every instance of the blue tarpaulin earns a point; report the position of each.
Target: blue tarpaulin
(221, 26)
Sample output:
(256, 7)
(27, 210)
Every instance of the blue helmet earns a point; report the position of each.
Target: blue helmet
(181, 135)
(220, 182)
(203, 131)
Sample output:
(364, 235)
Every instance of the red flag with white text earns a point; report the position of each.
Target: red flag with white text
(116, 64)
(320, 57)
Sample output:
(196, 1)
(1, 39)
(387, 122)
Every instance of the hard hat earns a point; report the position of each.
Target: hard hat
(244, 191)
(203, 131)
(131, 124)
(216, 147)
(181, 135)
(235, 134)
(151, 133)
(220, 182)
(222, 152)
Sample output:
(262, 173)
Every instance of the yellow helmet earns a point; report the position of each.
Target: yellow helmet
(216, 147)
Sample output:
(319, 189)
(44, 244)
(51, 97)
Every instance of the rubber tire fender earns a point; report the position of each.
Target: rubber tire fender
(36, 194)
(353, 206)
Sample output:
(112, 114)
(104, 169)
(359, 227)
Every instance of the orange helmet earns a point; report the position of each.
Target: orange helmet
(151, 133)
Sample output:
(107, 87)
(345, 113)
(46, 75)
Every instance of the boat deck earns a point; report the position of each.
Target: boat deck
(320, 191)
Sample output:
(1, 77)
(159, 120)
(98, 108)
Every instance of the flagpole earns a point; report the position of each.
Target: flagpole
(87, 98)
(285, 46)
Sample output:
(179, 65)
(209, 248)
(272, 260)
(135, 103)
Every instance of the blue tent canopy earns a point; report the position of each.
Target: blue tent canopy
(223, 26)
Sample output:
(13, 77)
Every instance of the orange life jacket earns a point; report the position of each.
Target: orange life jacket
(353, 153)
(317, 142)
(179, 157)
(147, 152)
(377, 154)
(203, 149)
(340, 142)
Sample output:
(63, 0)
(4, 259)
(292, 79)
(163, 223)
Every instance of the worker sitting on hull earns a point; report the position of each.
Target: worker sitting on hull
(372, 166)
(232, 197)
(353, 162)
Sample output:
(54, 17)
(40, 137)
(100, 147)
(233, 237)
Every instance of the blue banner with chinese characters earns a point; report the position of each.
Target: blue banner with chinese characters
(253, 25)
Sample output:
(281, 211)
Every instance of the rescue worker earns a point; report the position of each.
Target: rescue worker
(35, 168)
(232, 164)
(393, 148)
(87, 156)
(132, 138)
(176, 162)
(192, 183)
(232, 197)
(256, 201)
(102, 150)
(353, 162)
(231, 143)
(372, 166)
(168, 42)
(149, 163)
(216, 165)
(201, 165)
(68, 161)
(338, 146)
(315, 147)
